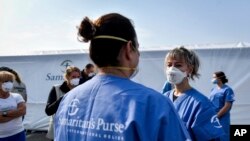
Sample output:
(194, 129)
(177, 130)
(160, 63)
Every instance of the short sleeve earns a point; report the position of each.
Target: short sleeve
(18, 98)
(229, 95)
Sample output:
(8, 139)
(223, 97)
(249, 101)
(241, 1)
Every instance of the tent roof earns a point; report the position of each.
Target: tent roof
(153, 48)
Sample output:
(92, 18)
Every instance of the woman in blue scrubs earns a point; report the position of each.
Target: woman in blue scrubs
(194, 108)
(110, 106)
(222, 96)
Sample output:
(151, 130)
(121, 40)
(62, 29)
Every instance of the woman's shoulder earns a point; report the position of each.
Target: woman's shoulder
(197, 96)
(151, 93)
(16, 95)
(143, 88)
(226, 87)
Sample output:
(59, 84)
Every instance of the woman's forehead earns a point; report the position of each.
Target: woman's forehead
(73, 73)
(175, 59)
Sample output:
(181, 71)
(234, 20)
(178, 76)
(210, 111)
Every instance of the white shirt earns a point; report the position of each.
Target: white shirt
(14, 126)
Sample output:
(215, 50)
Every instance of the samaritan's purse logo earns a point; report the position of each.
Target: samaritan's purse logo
(73, 107)
(100, 128)
(65, 64)
(57, 76)
(215, 121)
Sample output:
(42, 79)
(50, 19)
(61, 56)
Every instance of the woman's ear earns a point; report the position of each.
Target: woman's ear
(129, 49)
(190, 70)
(130, 45)
(125, 52)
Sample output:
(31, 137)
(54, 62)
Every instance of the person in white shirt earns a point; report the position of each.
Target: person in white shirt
(12, 108)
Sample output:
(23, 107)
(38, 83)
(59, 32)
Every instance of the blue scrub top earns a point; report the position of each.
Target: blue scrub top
(219, 97)
(167, 87)
(198, 114)
(112, 108)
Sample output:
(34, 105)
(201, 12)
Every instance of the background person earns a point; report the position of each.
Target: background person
(222, 96)
(110, 106)
(87, 73)
(12, 108)
(71, 77)
(195, 109)
(19, 86)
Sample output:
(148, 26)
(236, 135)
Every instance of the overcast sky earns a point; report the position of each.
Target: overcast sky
(51, 24)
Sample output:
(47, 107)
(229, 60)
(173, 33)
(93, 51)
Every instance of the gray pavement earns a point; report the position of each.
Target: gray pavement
(36, 136)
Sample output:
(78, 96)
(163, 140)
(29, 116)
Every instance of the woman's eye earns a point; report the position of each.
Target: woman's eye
(178, 66)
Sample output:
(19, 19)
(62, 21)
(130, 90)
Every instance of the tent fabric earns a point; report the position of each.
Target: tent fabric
(41, 70)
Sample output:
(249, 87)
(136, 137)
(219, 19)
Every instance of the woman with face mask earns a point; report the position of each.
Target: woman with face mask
(87, 73)
(72, 78)
(195, 109)
(110, 106)
(12, 108)
(222, 96)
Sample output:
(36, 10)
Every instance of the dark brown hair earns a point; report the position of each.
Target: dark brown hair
(221, 75)
(104, 51)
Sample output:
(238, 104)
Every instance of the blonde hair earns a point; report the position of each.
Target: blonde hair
(188, 56)
(69, 70)
(6, 76)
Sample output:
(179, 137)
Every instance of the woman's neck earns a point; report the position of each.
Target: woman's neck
(220, 85)
(182, 87)
(114, 71)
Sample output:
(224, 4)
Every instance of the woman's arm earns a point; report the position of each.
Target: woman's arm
(224, 109)
(15, 113)
(52, 103)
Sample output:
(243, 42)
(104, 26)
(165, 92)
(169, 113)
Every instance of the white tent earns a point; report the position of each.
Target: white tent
(41, 70)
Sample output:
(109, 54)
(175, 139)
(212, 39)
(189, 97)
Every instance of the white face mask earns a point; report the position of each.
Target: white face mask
(7, 86)
(175, 76)
(91, 74)
(74, 81)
